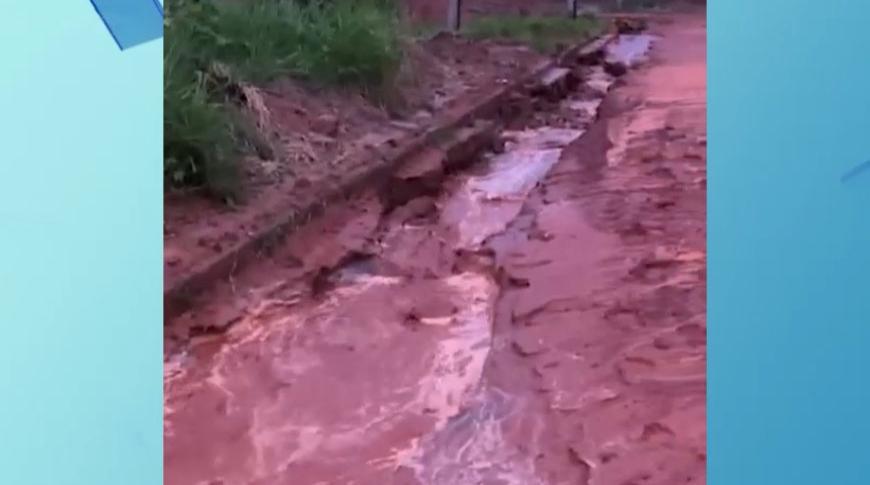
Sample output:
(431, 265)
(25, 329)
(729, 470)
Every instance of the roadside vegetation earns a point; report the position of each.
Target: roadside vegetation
(211, 46)
(543, 33)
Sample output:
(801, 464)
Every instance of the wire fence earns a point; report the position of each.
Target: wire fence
(455, 13)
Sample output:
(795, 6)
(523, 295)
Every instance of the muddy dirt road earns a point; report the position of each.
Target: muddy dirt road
(536, 318)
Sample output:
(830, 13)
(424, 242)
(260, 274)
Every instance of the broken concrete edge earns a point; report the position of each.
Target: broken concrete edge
(445, 135)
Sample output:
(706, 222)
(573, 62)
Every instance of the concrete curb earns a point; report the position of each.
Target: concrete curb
(454, 130)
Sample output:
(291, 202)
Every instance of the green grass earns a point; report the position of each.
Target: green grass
(209, 46)
(542, 33)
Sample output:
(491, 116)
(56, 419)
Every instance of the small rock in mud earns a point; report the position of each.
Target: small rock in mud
(321, 139)
(412, 320)
(577, 457)
(615, 69)
(436, 311)
(634, 229)
(665, 204)
(518, 282)
(405, 125)
(663, 253)
(421, 117)
(416, 209)
(222, 319)
(663, 172)
(171, 258)
(326, 124)
(482, 260)
(528, 346)
(591, 58)
(629, 26)
(322, 281)
(537, 234)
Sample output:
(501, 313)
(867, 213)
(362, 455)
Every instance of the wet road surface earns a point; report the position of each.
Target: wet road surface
(540, 320)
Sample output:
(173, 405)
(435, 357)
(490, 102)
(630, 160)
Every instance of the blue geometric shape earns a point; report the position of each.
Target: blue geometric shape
(131, 22)
(855, 171)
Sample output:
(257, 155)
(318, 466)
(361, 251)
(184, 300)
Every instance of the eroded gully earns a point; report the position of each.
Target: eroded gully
(538, 320)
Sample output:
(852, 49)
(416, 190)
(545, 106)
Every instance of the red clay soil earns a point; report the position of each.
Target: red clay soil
(593, 373)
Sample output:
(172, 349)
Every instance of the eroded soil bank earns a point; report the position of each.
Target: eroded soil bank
(535, 319)
(319, 136)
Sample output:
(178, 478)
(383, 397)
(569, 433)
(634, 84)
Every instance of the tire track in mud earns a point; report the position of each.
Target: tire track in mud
(427, 351)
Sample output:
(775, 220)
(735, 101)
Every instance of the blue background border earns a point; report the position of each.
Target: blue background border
(80, 251)
(789, 298)
(81, 208)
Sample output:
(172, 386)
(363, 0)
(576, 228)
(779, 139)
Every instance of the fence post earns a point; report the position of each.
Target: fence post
(573, 7)
(454, 15)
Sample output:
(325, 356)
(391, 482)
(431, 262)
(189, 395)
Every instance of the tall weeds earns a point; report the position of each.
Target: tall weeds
(210, 45)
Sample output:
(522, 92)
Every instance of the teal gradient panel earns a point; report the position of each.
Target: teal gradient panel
(788, 242)
(80, 251)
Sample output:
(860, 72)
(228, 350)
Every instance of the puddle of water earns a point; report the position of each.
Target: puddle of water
(486, 204)
(476, 446)
(629, 50)
(458, 360)
(337, 386)
(587, 108)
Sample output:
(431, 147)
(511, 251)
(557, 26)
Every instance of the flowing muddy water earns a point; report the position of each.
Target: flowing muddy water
(381, 346)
